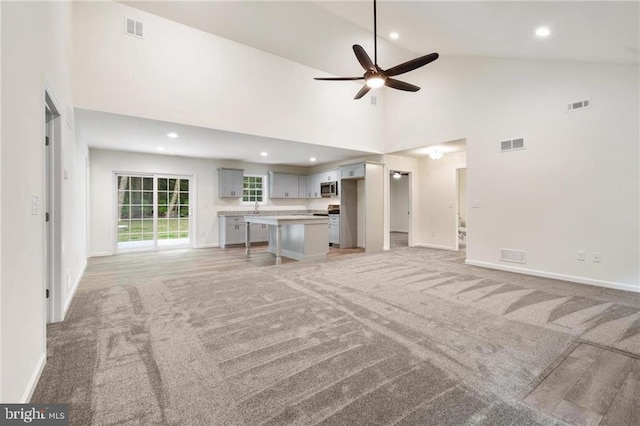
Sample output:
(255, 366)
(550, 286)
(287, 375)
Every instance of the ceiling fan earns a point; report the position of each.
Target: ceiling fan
(374, 76)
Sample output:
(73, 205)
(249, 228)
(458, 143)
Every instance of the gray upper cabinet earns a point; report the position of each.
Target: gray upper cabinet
(283, 185)
(313, 185)
(303, 186)
(352, 171)
(329, 176)
(230, 183)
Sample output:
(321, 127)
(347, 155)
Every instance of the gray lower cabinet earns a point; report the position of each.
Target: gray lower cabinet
(334, 230)
(259, 233)
(233, 230)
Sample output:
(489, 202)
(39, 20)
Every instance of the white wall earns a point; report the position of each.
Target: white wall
(399, 204)
(438, 200)
(104, 164)
(31, 61)
(575, 186)
(180, 74)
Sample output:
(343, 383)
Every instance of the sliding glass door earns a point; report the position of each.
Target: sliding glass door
(153, 211)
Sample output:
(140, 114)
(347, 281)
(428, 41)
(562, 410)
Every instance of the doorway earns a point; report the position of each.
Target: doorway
(462, 208)
(51, 207)
(153, 212)
(399, 209)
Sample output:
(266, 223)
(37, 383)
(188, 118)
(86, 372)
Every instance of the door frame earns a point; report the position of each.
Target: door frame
(52, 204)
(155, 176)
(387, 221)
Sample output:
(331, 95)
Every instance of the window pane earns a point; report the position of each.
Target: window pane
(147, 197)
(162, 198)
(184, 211)
(162, 184)
(136, 183)
(148, 184)
(125, 212)
(184, 184)
(136, 197)
(184, 198)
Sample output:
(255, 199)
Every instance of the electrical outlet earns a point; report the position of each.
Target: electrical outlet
(581, 255)
(595, 256)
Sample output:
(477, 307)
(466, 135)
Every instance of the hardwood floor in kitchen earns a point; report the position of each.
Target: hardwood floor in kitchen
(123, 267)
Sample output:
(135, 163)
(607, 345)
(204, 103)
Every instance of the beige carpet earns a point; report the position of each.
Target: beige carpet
(411, 336)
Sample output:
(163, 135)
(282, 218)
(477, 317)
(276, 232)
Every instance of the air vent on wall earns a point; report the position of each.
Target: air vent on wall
(579, 105)
(133, 28)
(512, 144)
(516, 256)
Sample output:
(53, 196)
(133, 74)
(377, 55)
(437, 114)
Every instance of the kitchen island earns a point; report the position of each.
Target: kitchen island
(301, 237)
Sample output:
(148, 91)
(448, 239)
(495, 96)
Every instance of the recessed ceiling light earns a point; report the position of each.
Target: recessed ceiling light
(172, 135)
(312, 159)
(160, 148)
(264, 154)
(543, 32)
(394, 35)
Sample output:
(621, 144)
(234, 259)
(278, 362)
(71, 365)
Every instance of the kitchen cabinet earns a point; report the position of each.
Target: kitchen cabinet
(313, 185)
(233, 230)
(334, 230)
(259, 233)
(303, 184)
(329, 176)
(352, 171)
(230, 183)
(283, 185)
(314, 181)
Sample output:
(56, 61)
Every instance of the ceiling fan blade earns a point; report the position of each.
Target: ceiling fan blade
(362, 92)
(411, 65)
(400, 85)
(338, 78)
(363, 58)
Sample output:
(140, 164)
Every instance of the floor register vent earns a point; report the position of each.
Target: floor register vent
(512, 144)
(133, 28)
(516, 256)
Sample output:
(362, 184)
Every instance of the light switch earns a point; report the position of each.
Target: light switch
(475, 204)
(35, 204)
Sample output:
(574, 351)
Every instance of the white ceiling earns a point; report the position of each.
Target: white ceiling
(123, 133)
(320, 34)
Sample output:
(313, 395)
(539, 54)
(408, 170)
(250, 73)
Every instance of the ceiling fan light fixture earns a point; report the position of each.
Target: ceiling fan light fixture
(375, 81)
(394, 35)
(397, 175)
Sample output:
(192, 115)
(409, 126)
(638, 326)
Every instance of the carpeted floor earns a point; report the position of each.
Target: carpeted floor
(410, 336)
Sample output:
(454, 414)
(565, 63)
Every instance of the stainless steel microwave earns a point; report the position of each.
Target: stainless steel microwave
(329, 189)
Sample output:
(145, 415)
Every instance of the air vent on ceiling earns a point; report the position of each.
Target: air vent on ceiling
(512, 144)
(579, 105)
(133, 28)
(516, 256)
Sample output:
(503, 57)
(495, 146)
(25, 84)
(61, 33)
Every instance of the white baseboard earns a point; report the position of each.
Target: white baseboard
(72, 293)
(101, 254)
(33, 381)
(434, 246)
(208, 246)
(556, 276)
